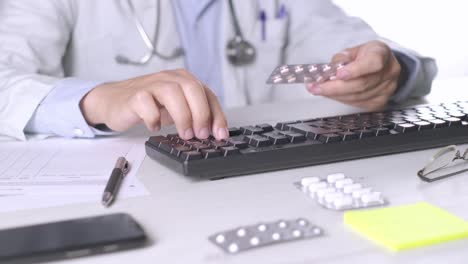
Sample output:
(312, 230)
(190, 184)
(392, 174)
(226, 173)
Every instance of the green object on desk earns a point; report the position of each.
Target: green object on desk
(408, 226)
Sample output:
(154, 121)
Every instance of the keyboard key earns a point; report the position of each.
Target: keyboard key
(365, 133)
(381, 131)
(199, 146)
(265, 127)
(211, 153)
(206, 141)
(178, 149)
(395, 123)
(442, 116)
(404, 128)
(460, 115)
(238, 144)
(423, 125)
(218, 144)
(190, 155)
(348, 135)
(412, 119)
(234, 131)
(312, 132)
(328, 138)
(156, 140)
(437, 123)
(251, 130)
(426, 117)
(229, 151)
(284, 125)
(171, 136)
(453, 121)
(192, 141)
(258, 141)
(166, 146)
(293, 136)
(277, 139)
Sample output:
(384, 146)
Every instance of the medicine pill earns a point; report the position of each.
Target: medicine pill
(308, 180)
(333, 177)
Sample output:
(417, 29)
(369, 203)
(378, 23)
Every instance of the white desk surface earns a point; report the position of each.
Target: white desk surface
(181, 213)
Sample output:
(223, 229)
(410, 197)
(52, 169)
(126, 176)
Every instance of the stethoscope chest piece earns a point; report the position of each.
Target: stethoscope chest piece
(240, 52)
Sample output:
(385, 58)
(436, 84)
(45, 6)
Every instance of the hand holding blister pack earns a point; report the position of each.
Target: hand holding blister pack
(304, 73)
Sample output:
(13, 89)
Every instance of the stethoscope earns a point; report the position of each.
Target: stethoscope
(239, 51)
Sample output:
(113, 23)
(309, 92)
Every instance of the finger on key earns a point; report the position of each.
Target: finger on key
(198, 103)
(170, 95)
(219, 123)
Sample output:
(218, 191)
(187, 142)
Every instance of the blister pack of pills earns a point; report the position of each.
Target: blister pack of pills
(338, 192)
(304, 73)
(262, 234)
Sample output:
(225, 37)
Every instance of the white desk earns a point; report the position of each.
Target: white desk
(181, 213)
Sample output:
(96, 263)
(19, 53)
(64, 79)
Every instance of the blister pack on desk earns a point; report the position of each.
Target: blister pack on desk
(262, 234)
(338, 192)
(304, 73)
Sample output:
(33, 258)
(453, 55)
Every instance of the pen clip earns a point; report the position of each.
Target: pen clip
(262, 16)
(122, 164)
(281, 13)
(126, 167)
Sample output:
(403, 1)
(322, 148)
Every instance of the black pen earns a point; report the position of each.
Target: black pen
(113, 185)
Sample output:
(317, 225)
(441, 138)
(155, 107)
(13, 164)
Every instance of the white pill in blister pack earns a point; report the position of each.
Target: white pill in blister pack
(262, 234)
(334, 177)
(338, 192)
(304, 73)
(308, 180)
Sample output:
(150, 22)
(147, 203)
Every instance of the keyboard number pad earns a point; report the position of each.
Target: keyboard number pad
(338, 192)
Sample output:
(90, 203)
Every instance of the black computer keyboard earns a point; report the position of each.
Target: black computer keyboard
(265, 147)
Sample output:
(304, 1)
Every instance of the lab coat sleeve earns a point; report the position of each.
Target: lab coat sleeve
(33, 38)
(329, 30)
(50, 117)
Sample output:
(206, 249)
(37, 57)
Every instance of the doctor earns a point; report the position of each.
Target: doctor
(84, 68)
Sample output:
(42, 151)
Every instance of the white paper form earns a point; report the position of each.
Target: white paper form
(63, 171)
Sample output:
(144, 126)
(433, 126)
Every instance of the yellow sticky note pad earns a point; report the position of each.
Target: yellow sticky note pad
(408, 226)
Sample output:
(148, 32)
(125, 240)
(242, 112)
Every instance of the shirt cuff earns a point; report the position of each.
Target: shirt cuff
(60, 114)
(410, 66)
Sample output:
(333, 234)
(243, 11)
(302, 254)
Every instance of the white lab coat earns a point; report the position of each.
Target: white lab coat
(44, 41)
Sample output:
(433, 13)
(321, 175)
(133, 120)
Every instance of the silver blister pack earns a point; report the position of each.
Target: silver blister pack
(262, 234)
(304, 73)
(338, 192)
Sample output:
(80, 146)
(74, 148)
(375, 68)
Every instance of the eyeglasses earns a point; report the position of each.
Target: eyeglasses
(438, 166)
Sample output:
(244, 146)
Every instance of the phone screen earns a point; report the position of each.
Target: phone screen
(71, 238)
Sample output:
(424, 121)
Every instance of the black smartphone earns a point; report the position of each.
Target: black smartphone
(70, 238)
